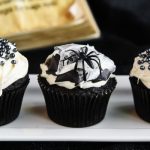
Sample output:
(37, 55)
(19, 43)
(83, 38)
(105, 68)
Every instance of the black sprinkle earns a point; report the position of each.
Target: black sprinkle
(147, 60)
(15, 50)
(1, 54)
(13, 62)
(142, 61)
(142, 67)
(139, 62)
(12, 55)
(148, 53)
(2, 63)
(2, 46)
(7, 47)
(2, 50)
(7, 52)
(4, 40)
(7, 57)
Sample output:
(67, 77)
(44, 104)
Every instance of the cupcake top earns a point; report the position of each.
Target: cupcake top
(141, 68)
(13, 65)
(74, 65)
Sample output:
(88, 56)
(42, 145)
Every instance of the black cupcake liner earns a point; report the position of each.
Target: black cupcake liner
(141, 96)
(11, 100)
(75, 108)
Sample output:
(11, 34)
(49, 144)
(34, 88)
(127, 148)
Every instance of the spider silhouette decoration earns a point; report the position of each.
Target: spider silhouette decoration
(84, 56)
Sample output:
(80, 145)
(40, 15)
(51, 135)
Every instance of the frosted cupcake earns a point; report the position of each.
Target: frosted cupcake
(140, 82)
(77, 81)
(13, 81)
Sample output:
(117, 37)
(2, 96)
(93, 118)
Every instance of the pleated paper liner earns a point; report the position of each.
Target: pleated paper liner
(11, 100)
(141, 96)
(76, 108)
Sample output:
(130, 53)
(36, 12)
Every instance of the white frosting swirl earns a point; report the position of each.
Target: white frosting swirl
(11, 72)
(142, 74)
(66, 66)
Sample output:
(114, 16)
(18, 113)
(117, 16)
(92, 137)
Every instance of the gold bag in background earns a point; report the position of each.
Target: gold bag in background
(21, 16)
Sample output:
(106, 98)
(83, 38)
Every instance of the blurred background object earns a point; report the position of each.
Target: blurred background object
(124, 28)
(40, 23)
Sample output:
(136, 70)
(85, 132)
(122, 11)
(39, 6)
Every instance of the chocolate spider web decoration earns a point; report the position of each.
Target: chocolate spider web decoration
(84, 56)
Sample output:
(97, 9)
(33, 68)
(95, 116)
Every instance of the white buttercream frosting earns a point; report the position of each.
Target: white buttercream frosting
(12, 68)
(141, 68)
(65, 66)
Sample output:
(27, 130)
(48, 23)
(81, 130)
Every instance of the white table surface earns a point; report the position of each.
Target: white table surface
(121, 123)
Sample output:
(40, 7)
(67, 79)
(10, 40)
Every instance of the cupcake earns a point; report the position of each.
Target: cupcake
(13, 81)
(140, 83)
(77, 82)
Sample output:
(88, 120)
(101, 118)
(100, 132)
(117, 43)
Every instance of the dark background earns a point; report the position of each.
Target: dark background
(125, 26)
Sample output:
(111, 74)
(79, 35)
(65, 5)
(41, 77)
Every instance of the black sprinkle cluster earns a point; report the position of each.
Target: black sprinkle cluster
(144, 58)
(6, 52)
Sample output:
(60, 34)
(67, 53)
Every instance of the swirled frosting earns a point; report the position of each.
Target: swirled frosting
(13, 65)
(141, 68)
(74, 65)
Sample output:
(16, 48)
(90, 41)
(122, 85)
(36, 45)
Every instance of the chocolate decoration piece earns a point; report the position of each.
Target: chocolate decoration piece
(52, 64)
(105, 74)
(71, 76)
